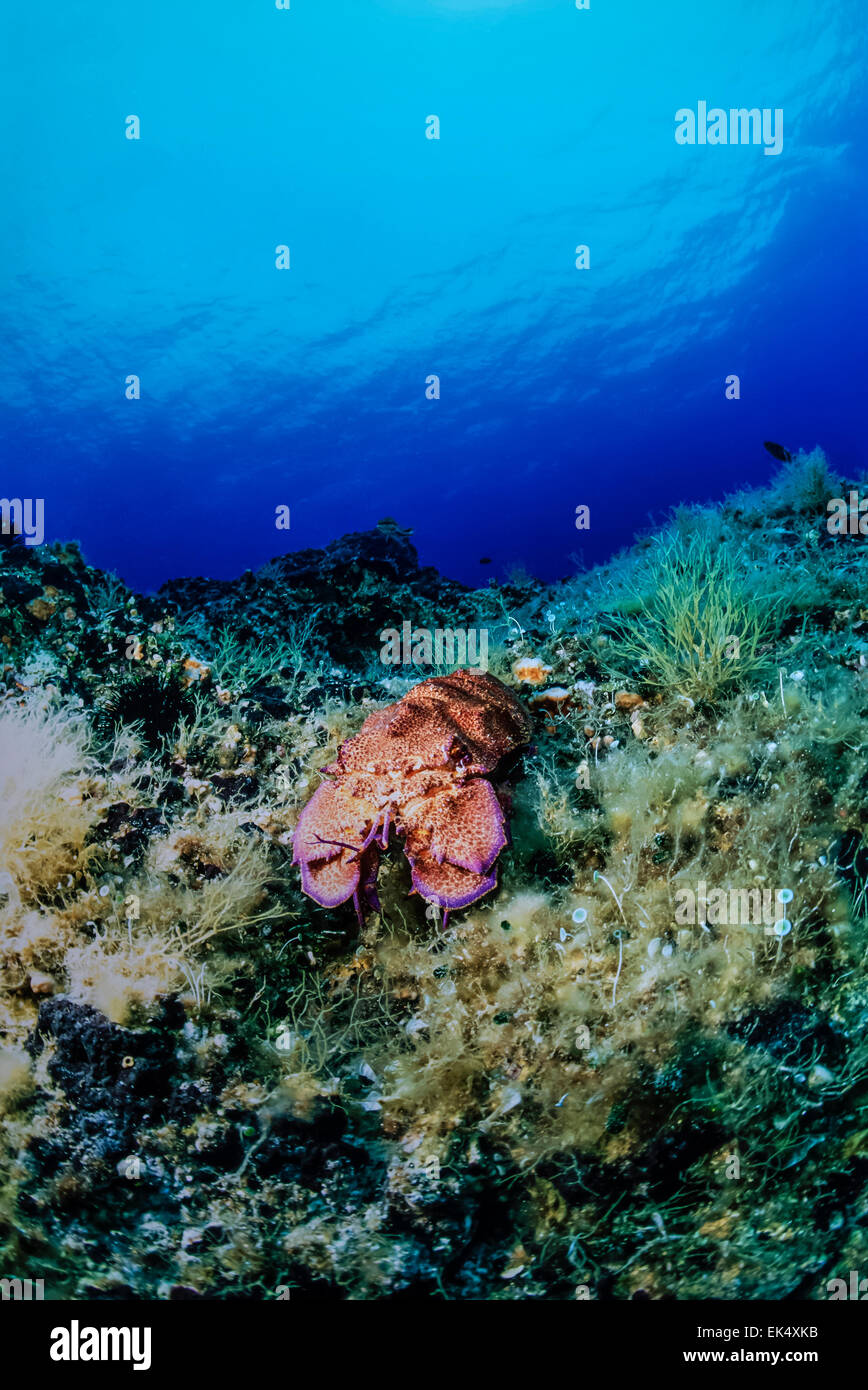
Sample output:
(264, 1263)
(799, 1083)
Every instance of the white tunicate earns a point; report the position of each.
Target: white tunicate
(654, 946)
(820, 1076)
(667, 949)
(511, 1099)
(783, 927)
(785, 895)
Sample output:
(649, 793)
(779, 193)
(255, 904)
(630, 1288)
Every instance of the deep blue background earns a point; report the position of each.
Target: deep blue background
(412, 257)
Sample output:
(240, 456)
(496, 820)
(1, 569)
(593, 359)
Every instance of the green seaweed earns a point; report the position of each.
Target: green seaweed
(569, 1091)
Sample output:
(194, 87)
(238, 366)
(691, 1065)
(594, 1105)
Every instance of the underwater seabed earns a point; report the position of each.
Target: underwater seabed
(636, 1068)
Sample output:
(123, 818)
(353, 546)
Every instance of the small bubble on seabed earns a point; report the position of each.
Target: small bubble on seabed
(580, 915)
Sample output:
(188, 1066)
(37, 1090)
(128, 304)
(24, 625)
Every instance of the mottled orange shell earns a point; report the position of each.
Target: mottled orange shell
(419, 766)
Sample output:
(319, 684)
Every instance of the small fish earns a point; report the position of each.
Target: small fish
(778, 451)
(486, 560)
(390, 527)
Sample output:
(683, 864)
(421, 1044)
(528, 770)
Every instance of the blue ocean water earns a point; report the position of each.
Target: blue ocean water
(412, 257)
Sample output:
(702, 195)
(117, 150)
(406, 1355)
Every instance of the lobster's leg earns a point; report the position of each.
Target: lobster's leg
(342, 843)
(371, 836)
(356, 849)
(358, 906)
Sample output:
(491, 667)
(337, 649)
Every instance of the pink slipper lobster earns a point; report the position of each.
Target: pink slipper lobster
(419, 767)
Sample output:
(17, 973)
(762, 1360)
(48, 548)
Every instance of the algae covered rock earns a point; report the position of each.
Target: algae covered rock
(634, 1067)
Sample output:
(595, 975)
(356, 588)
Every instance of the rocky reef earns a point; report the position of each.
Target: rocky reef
(635, 1068)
